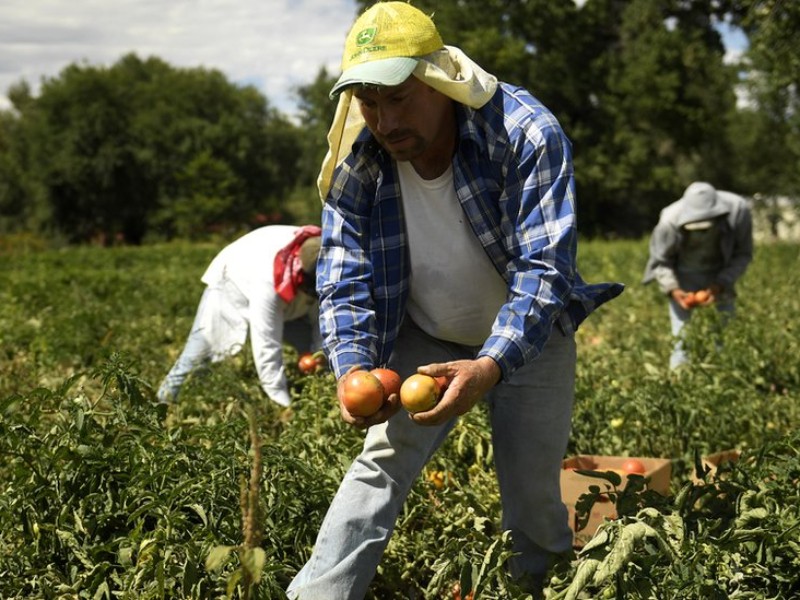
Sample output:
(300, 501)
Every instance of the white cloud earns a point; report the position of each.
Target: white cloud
(274, 45)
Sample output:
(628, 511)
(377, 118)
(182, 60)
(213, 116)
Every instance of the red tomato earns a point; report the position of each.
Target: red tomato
(701, 296)
(310, 363)
(441, 382)
(633, 465)
(389, 379)
(362, 393)
(457, 593)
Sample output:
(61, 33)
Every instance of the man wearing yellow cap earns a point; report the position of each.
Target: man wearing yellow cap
(448, 248)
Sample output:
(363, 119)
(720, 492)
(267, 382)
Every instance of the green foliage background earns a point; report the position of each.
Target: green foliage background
(102, 495)
(142, 151)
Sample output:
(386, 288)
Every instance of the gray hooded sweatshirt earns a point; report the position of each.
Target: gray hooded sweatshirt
(722, 219)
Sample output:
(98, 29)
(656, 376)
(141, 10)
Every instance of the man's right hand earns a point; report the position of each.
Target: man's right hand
(385, 412)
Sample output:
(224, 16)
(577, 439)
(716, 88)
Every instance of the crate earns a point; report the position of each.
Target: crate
(574, 485)
(713, 462)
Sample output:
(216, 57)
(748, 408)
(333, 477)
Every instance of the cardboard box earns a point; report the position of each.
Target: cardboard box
(713, 461)
(574, 485)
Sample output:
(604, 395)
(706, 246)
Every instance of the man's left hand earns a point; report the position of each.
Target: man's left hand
(470, 380)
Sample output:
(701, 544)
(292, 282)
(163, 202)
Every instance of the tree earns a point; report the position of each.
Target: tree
(664, 100)
(131, 150)
(21, 204)
(639, 86)
(316, 115)
(773, 83)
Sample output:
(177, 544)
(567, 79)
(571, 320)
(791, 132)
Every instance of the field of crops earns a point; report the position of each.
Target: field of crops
(104, 496)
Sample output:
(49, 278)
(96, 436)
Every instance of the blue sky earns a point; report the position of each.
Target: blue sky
(274, 45)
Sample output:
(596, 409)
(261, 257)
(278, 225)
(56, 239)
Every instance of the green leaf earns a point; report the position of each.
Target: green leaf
(652, 369)
(216, 556)
(200, 512)
(253, 560)
(102, 591)
(233, 581)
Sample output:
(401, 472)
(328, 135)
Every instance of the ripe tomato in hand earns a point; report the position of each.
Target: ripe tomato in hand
(389, 379)
(442, 382)
(362, 393)
(419, 393)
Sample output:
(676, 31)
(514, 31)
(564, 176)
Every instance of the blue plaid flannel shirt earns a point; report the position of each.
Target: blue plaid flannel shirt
(514, 179)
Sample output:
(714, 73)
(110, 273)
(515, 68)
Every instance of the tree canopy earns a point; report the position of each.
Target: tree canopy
(643, 88)
(143, 147)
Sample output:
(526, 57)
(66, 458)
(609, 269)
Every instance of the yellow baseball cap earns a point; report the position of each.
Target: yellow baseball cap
(384, 45)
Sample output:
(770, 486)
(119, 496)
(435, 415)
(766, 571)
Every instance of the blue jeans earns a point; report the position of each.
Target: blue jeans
(220, 329)
(530, 418)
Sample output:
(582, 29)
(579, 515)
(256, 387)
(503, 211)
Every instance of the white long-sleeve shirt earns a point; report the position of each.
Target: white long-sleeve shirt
(247, 263)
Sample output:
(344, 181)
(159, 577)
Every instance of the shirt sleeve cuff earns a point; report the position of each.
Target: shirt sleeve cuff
(503, 360)
(342, 362)
(279, 396)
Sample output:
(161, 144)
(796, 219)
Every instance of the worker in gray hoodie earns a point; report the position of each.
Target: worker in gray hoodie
(702, 244)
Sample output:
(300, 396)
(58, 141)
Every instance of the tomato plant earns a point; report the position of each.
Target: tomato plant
(104, 494)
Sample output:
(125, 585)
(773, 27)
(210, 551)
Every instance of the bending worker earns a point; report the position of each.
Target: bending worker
(701, 246)
(261, 284)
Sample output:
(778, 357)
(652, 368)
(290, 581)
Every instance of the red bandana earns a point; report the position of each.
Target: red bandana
(288, 268)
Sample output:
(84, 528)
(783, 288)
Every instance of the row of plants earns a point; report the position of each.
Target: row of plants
(104, 495)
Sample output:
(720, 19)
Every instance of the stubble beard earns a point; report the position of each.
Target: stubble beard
(408, 152)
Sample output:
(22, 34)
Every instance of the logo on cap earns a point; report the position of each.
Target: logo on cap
(365, 36)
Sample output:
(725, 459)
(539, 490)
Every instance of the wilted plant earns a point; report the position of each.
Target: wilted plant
(251, 556)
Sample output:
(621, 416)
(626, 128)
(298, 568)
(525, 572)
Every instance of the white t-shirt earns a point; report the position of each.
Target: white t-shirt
(456, 292)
